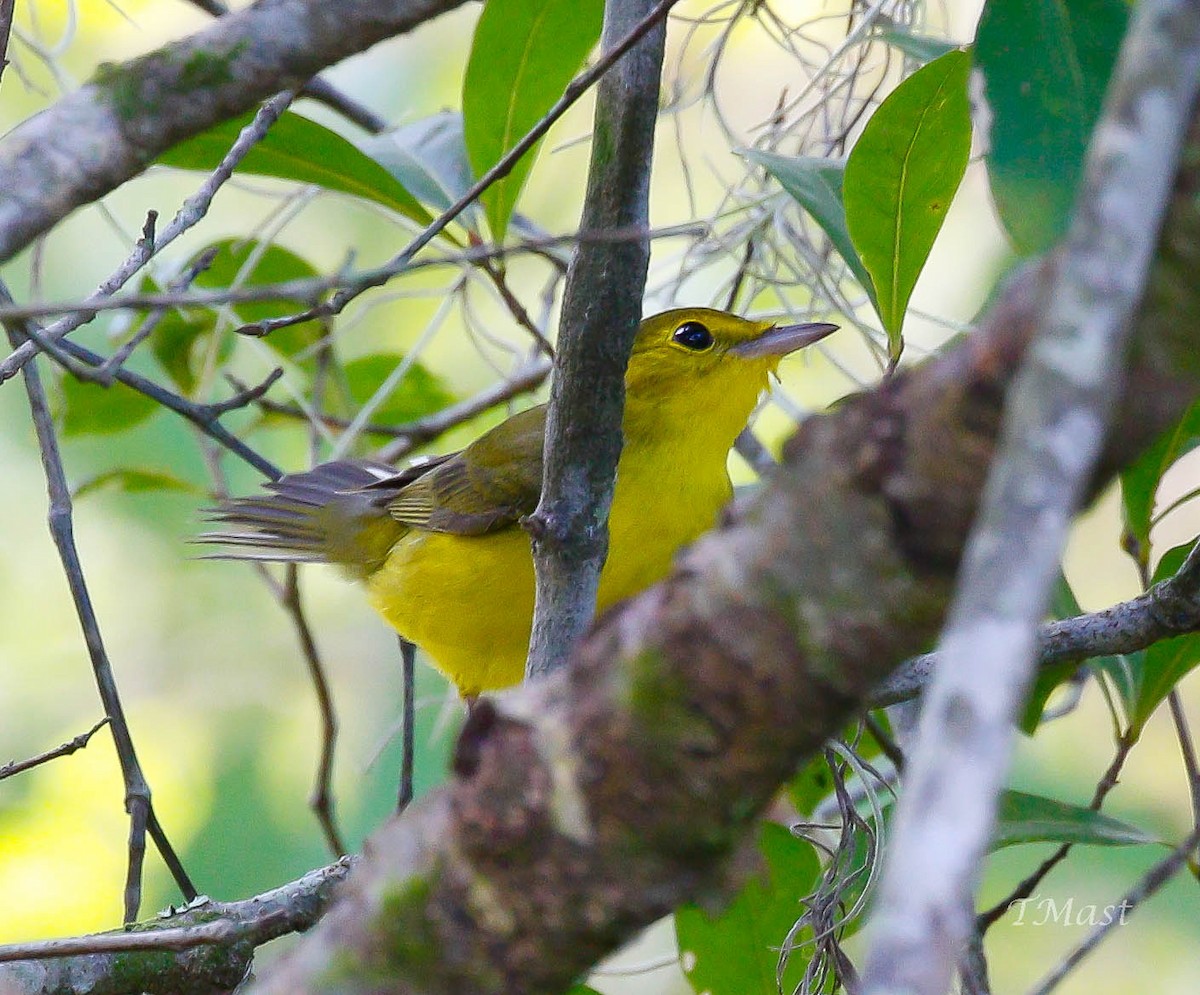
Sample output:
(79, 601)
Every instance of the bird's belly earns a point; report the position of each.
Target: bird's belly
(466, 600)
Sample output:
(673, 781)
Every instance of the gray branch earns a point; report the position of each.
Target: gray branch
(1170, 608)
(207, 947)
(109, 130)
(1054, 427)
(602, 306)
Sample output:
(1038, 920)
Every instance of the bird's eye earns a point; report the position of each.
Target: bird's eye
(693, 335)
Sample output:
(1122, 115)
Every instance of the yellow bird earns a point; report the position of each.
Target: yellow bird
(439, 544)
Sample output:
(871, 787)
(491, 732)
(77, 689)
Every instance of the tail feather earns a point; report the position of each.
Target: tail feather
(323, 515)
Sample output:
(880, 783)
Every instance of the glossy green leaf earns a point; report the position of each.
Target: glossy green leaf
(923, 48)
(816, 185)
(428, 157)
(92, 409)
(524, 54)
(1045, 65)
(418, 393)
(901, 176)
(1025, 818)
(132, 480)
(296, 148)
(1166, 662)
(1139, 482)
(737, 951)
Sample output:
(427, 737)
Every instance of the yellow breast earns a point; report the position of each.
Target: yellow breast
(468, 600)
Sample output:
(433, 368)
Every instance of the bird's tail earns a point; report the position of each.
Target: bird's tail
(328, 514)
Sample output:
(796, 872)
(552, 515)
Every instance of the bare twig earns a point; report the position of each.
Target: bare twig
(199, 415)
(137, 789)
(602, 305)
(73, 964)
(193, 209)
(1055, 424)
(408, 664)
(78, 743)
(1155, 878)
(417, 433)
(310, 287)
(985, 920)
(321, 800)
(575, 89)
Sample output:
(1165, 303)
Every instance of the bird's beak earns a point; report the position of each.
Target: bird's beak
(782, 339)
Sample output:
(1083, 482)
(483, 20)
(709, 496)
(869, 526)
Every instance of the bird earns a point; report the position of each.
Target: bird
(439, 544)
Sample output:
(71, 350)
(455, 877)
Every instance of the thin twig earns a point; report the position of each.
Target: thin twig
(78, 743)
(192, 210)
(1170, 608)
(1155, 878)
(423, 430)
(575, 89)
(199, 415)
(356, 282)
(1187, 750)
(985, 920)
(408, 663)
(292, 907)
(321, 801)
(137, 789)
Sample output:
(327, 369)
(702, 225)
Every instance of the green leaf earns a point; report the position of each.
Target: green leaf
(1045, 65)
(1166, 662)
(429, 157)
(418, 393)
(296, 148)
(811, 785)
(1025, 818)
(91, 409)
(737, 951)
(901, 176)
(133, 481)
(816, 185)
(524, 54)
(1139, 482)
(923, 48)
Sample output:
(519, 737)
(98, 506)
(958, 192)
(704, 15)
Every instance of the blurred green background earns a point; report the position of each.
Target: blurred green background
(210, 672)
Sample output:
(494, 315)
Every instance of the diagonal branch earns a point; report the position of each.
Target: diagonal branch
(591, 803)
(111, 129)
(1054, 427)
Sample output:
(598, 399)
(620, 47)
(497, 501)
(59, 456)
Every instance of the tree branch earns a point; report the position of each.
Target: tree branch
(591, 803)
(111, 129)
(602, 305)
(1054, 428)
(1170, 608)
(206, 947)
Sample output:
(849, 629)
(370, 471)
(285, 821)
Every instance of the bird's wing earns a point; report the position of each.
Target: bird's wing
(487, 486)
(328, 514)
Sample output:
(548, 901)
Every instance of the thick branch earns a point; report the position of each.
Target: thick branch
(1054, 427)
(591, 803)
(602, 306)
(108, 131)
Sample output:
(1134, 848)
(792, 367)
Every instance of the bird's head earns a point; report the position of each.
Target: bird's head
(708, 365)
